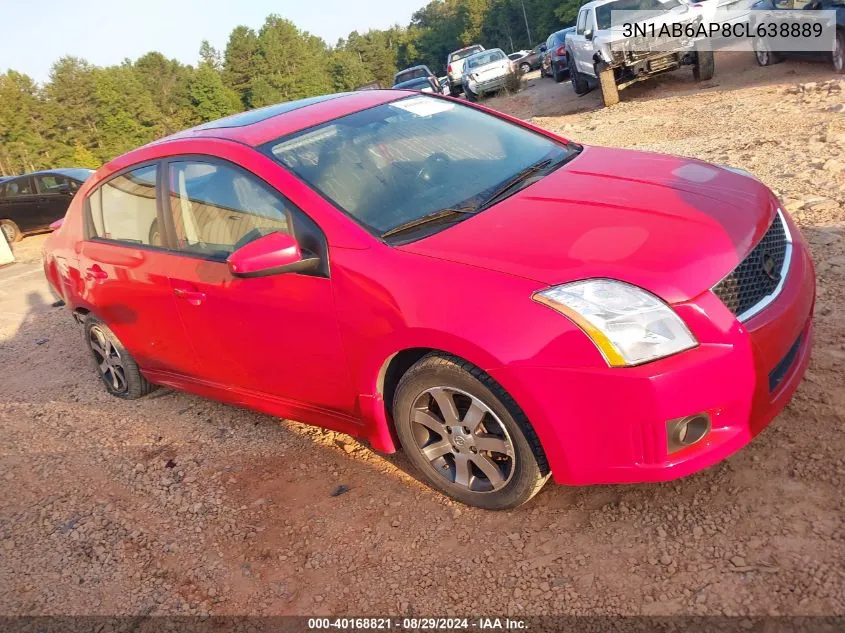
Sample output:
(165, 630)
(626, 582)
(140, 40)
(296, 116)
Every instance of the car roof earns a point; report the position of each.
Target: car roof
(595, 3)
(486, 50)
(256, 127)
(465, 48)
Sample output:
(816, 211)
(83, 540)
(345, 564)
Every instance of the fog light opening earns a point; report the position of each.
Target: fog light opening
(687, 431)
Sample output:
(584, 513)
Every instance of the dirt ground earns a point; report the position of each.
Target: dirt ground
(174, 504)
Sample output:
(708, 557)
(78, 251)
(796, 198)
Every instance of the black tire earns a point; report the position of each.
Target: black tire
(607, 83)
(528, 470)
(579, 82)
(454, 92)
(525, 69)
(839, 53)
(559, 73)
(132, 385)
(11, 231)
(705, 66)
(470, 95)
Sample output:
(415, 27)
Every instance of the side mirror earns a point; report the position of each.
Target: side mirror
(543, 49)
(64, 190)
(271, 254)
(588, 33)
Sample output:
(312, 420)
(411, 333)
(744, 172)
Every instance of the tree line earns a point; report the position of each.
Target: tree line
(85, 115)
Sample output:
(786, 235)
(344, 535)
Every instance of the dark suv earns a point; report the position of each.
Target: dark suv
(555, 62)
(32, 202)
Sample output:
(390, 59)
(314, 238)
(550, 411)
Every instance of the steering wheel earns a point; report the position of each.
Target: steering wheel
(432, 167)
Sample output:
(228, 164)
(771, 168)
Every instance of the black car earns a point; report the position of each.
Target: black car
(767, 57)
(555, 61)
(32, 202)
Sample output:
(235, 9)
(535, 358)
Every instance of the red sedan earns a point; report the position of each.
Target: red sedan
(502, 303)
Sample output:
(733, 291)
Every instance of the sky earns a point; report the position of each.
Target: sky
(36, 33)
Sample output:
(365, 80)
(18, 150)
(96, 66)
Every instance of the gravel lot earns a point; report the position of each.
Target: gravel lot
(174, 504)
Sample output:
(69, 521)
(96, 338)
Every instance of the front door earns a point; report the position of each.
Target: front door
(125, 277)
(274, 335)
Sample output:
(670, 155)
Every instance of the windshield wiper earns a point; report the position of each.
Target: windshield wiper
(507, 187)
(428, 218)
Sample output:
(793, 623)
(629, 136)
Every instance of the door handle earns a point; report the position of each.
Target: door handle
(194, 297)
(96, 273)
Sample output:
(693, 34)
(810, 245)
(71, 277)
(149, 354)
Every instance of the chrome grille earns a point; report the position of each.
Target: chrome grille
(759, 277)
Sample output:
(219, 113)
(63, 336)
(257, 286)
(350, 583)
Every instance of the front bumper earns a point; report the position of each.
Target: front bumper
(608, 425)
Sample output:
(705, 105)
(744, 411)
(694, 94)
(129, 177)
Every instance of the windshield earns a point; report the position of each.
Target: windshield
(603, 12)
(391, 164)
(411, 73)
(414, 84)
(487, 57)
(80, 173)
(463, 54)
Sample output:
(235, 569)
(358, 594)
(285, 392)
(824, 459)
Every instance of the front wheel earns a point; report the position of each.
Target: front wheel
(11, 231)
(839, 53)
(579, 82)
(466, 435)
(454, 92)
(470, 95)
(705, 65)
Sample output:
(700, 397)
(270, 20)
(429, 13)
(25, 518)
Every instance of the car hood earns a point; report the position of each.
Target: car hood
(672, 225)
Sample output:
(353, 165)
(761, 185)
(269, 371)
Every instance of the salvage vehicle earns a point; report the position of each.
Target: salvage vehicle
(455, 67)
(504, 304)
(556, 61)
(774, 9)
(31, 202)
(603, 55)
(486, 72)
(417, 78)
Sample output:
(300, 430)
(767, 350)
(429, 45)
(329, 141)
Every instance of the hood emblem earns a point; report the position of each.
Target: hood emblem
(769, 266)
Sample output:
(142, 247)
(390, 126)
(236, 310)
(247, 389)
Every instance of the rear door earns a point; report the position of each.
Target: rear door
(125, 269)
(54, 196)
(276, 335)
(20, 204)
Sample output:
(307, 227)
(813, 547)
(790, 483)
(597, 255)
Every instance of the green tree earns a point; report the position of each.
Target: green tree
(240, 66)
(210, 99)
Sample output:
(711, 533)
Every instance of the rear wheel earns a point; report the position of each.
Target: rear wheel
(118, 370)
(607, 82)
(470, 95)
(705, 66)
(11, 231)
(525, 68)
(839, 53)
(466, 435)
(558, 73)
(454, 92)
(764, 55)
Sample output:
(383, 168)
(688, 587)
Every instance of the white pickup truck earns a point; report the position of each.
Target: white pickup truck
(613, 56)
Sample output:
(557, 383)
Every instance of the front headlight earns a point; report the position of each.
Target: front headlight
(629, 325)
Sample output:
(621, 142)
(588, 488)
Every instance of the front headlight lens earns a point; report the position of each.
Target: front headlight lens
(629, 325)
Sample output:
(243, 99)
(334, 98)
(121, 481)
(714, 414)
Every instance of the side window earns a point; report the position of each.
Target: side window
(217, 209)
(582, 21)
(19, 187)
(124, 208)
(50, 183)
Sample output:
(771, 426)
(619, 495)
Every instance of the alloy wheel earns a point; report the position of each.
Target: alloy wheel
(108, 359)
(462, 439)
